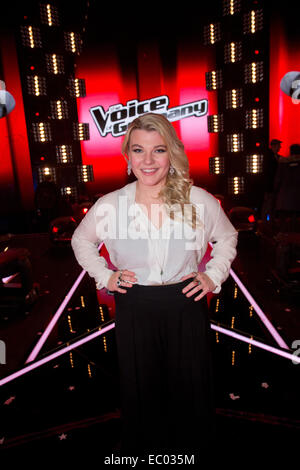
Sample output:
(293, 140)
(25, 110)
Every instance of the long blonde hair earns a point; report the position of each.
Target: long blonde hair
(176, 192)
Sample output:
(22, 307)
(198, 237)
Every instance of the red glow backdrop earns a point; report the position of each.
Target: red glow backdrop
(284, 114)
(107, 84)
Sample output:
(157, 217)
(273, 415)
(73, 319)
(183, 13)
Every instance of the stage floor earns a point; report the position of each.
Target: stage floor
(71, 403)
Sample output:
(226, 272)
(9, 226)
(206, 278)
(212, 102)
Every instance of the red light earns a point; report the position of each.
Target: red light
(42, 158)
(32, 67)
(257, 144)
(251, 218)
(37, 114)
(256, 52)
(55, 229)
(257, 100)
(85, 210)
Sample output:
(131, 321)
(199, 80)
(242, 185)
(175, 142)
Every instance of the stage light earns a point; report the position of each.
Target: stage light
(232, 52)
(59, 109)
(73, 42)
(44, 172)
(212, 33)
(216, 165)
(85, 173)
(214, 80)
(215, 123)
(254, 118)
(55, 64)
(36, 85)
(236, 185)
(81, 131)
(49, 14)
(69, 191)
(254, 163)
(231, 7)
(254, 72)
(31, 36)
(234, 98)
(235, 142)
(41, 132)
(64, 154)
(253, 22)
(77, 87)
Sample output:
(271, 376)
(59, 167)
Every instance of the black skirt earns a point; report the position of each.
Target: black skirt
(166, 382)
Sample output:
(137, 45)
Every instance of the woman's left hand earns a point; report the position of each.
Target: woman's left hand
(206, 285)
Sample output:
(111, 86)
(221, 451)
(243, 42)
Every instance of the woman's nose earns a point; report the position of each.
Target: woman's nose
(148, 157)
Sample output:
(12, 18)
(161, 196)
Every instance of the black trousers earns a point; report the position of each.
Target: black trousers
(166, 381)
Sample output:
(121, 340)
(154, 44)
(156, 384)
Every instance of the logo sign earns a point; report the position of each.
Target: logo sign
(115, 121)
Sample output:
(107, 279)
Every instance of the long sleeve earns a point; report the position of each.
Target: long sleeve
(85, 244)
(224, 242)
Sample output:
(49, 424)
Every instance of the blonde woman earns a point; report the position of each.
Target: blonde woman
(156, 231)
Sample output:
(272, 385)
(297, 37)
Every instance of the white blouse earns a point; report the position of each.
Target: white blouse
(156, 255)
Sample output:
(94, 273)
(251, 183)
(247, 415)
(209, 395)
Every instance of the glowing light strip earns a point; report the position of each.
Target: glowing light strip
(54, 355)
(238, 336)
(259, 312)
(55, 318)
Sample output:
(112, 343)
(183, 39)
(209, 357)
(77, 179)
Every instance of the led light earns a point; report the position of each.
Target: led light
(70, 191)
(236, 185)
(254, 164)
(214, 80)
(44, 172)
(72, 42)
(59, 109)
(36, 85)
(253, 22)
(212, 33)
(254, 72)
(232, 52)
(64, 153)
(81, 131)
(31, 36)
(231, 7)
(49, 14)
(216, 165)
(254, 119)
(215, 123)
(77, 87)
(85, 173)
(235, 143)
(55, 63)
(41, 132)
(234, 98)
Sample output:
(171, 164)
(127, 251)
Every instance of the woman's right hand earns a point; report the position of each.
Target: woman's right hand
(126, 276)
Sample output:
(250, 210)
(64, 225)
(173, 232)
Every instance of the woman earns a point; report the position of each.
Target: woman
(156, 231)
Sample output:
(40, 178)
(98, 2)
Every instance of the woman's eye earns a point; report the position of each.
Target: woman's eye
(162, 150)
(137, 150)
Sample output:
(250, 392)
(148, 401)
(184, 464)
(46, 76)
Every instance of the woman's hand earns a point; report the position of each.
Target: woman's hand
(128, 276)
(206, 285)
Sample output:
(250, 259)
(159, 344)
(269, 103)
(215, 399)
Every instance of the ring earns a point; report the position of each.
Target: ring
(197, 280)
(120, 278)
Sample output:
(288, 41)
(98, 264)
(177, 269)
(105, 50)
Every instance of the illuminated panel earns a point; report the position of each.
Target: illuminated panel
(31, 36)
(59, 109)
(85, 173)
(43, 172)
(216, 165)
(214, 80)
(49, 14)
(81, 131)
(73, 42)
(235, 143)
(254, 164)
(253, 22)
(36, 85)
(41, 132)
(254, 118)
(55, 64)
(70, 191)
(76, 87)
(236, 185)
(212, 33)
(254, 72)
(64, 154)
(231, 7)
(232, 52)
(215, 123)
(234, 98)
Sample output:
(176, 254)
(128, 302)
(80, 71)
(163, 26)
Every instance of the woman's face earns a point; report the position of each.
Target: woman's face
(149, 157)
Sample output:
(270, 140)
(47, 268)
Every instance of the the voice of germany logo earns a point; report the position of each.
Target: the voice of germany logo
(116, 119)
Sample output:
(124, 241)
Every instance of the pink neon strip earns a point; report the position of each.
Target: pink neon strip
(55, 318)
(259, 312)
(56, 354)
(92, 336)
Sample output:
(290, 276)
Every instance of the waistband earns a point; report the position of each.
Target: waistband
(161, 291)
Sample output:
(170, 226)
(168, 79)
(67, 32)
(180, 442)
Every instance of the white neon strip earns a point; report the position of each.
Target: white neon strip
(56, 354)
(272, 330)
(259, 344)
(245, 339)
(55, 318)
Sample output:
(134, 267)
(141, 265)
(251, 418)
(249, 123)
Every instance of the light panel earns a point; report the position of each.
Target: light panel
(59, 109)
(49, 14)
(64, 154)
(216, 165)
(212, 33)
(77, 87)
(215, 123)
(214, 80)
(236, 185)
(85, 173)
(253, 22)
(254, 164)
(235, 142)
(253, 72)
(55, 64)
(234, 98)
(36, 85)
(232, 52)
(231, 7)
(31, 36)
(44, 172)
(81, 131)
(254, 118)
(41, 132)
(73, 42)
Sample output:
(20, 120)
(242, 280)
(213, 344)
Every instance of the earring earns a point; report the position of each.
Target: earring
(129, 167)
(171, 170)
